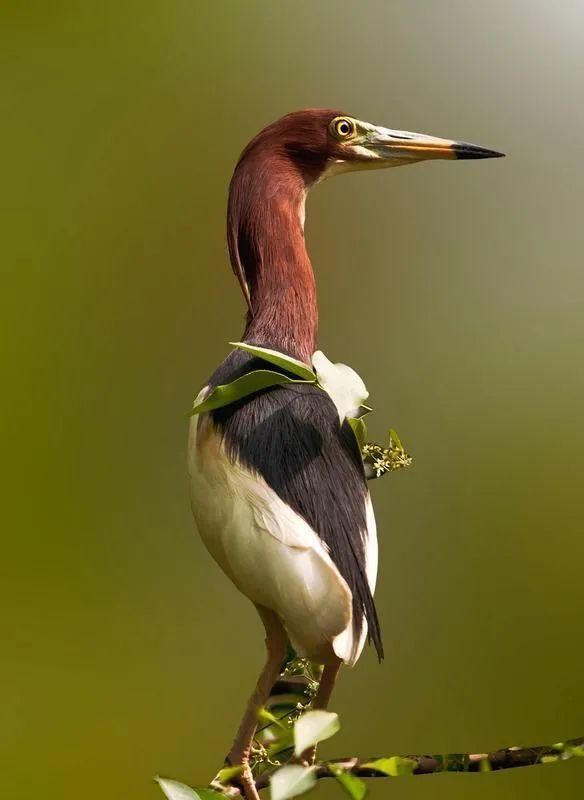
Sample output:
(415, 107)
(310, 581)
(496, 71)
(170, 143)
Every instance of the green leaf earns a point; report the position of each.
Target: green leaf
(293, 365)
(283, 741)
(292, 780)
(227, 774)
(394, 766)
(393, 436)
(250, 383)
(313, 727)
(352, 785)
(180, 791)
(359, 429)
(266, 717)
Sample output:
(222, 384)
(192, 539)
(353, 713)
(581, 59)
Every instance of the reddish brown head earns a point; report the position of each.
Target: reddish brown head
(303, 138)
(265, 223)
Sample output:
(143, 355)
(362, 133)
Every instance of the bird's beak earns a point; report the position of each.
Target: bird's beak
(402, 147)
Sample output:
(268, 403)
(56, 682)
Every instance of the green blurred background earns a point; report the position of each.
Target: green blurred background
(455, 289)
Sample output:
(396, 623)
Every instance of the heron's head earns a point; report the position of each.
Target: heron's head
(270, 181)
(323, 142)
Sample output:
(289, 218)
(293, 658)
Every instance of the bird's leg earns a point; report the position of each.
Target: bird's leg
(276, 645)
(326, 685)
(321, 700)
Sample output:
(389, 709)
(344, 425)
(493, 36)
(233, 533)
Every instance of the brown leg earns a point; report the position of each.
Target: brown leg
(321, 700)
(326, 685)
(276, 645)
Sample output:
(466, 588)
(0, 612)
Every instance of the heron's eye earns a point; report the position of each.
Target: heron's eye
(343, 128)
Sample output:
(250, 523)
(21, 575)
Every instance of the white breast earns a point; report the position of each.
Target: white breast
(271, 553)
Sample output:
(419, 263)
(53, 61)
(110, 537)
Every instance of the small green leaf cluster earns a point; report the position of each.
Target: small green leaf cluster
(381, 460)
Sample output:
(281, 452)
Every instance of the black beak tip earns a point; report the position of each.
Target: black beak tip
(463, 150)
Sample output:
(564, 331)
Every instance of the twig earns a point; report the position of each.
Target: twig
(507, 758)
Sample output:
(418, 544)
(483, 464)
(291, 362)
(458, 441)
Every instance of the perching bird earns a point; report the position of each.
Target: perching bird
(277, 480)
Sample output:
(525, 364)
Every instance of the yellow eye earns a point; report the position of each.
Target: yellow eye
(342, 128)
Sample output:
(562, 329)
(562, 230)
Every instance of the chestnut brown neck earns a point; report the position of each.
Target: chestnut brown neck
(268, 253)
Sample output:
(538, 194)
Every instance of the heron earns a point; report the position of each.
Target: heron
(278, 488)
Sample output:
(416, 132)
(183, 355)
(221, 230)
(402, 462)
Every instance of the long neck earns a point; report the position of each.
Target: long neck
(267, 247)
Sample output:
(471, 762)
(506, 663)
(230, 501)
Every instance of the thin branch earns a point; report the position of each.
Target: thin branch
(507, 758)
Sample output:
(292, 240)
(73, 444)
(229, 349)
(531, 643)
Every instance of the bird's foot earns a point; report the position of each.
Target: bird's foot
(226, 789)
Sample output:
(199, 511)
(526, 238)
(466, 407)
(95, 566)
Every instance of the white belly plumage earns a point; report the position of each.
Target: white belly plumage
(271, 553)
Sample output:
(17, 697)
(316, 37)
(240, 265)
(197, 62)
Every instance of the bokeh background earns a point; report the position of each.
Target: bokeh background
(455, 289)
